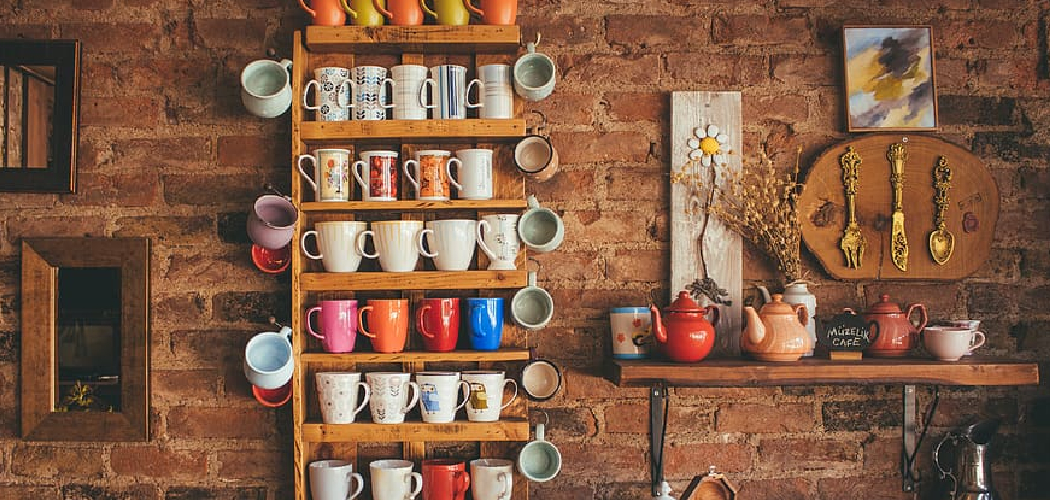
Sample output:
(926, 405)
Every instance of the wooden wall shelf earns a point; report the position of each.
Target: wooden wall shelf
(502, 430)
(416, 280)
(413, 131)
(721, 372)
(476, 39)
(411, 205)
(426, 357)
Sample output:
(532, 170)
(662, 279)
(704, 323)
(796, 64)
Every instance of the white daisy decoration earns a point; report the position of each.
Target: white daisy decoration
(709, 145)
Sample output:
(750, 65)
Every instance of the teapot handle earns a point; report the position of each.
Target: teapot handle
(715, 315)
(922, 310)
(803, 313)
(937, 461)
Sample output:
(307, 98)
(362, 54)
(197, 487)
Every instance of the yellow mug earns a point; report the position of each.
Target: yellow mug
(450, 12)
(364, 13)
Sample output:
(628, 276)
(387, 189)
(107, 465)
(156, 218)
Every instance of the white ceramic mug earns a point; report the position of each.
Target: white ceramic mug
(431, 179)
(438, 396)
(268, 360)
(266, 87)
(377, 173)
(539, 460)
(532, 307)
(450, 90)
(338, 393)
(331, 179)
(475, 174)
(398, 244)
(498, 91)
(337, 242)
(392, 480)
(390, 396)
(451, 242)
(486, 394)
(540, 229)
(534, 75)
(498, 238)
(408, 79)
(630, 328)
(950, 343)
(333, 479)
(370, 94)
(333, 94)
(491, 479)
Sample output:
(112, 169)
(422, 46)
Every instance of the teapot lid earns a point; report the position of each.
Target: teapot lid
(684, 303)
(884, 306)
(777, 306)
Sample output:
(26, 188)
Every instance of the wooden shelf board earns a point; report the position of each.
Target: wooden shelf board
(414, 39)
(410, 131)
(502, 430)
(412, 205)
(416, 280)
(374, 357)
(738, 372)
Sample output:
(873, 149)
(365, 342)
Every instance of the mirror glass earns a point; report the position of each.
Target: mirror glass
(88, 339)
(27, 102)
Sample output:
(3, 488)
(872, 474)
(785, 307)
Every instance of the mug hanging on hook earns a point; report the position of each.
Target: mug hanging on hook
(534, 74)
(535, 154)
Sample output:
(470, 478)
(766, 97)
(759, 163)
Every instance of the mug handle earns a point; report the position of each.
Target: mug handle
(463, 478)
(310, 328)
(303, 242)
(357, 169)
(306, 93)
(481, 91)
(465, 391)
(423, 4)
(361, 322)
(342, 3)
(303, 172)
(341, 97)
(979, 343)
(419, 322)
(512, 398)
(448, 171)
(481, 241)
(429, 82)
(408, 174)
(504, 479)
(414, 387)
(419, 484)
(424, 250)
(361, 243)
(384, 12)
(365, 398)
(360, 484)
(393, 90)
(308, 10)
(466, 3)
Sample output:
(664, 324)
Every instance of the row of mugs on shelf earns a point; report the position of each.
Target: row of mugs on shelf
(409, 12)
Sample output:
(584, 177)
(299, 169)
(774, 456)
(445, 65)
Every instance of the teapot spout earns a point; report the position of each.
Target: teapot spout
(658, 326)
(755, 331)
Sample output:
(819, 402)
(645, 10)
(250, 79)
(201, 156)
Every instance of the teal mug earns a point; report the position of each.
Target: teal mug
(539, 460)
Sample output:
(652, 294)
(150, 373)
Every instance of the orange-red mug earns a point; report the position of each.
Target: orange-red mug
(497, 12)
(388, 319)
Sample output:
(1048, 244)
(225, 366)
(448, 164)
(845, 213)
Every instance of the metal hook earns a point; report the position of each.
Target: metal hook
(538, 265)
(546, 418)
(273, 321)
(538, 36)
(269, 188)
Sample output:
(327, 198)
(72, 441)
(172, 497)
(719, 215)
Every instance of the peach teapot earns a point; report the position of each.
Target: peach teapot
(897, 335)
(776, 333)
(685, 332)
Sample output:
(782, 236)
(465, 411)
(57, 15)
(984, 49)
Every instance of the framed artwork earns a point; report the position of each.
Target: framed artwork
(890, 80)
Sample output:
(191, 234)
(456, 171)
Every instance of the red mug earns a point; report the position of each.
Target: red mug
(437, 320)
(388, 319)
(445, 479)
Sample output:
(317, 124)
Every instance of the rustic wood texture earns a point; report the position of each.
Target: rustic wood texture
(301, 454)
(823, 216)
(504, 354)
(740, 373)
(416, 280)
(723, 249)
(460, 430)
(412, 131)
(422, 39)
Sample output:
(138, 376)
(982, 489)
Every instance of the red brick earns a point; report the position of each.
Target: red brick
(252, 464)
(574, 423)
(53, 461)
(212, 189)
(35, 226)
(123, 112)
(570, 109)
(882, 454)
(685, 460)
(30, 31)
(252, 151)
(19, 492)
(592, 147)
(115, 37)
(594, 226)
(137, 188)
(790, 108)
(185, 386)
(154, 462)
(757, 418)
(942, 301)
(218, 493)
(807, 454)
(986, 34)
(203, 348)
(638, 265)
(637, 106)
(634, 418)
(578, 459)
(167, 229)
(656, 30)
(561, 491)
(567, 185)
(562, 343)
(173, 310)
(559, 30)
(1015, 74)
(760, 29)
(632, 183)
(582, 385)
(237, 423)
(727, 69)
(204, 270)
(121, 492)
(580, 70)
(808, 70)
(793, 488)
(571, 265)
(230, 33)
(866, 487)
(163, 152)
(962, 412)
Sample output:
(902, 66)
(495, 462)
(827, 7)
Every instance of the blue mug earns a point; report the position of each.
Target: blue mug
(485, 316)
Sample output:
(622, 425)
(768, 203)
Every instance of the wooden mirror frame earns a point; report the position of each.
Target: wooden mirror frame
(41, 260)
(61, 175)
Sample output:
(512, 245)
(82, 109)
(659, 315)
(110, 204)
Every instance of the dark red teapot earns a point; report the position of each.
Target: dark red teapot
(685, 331)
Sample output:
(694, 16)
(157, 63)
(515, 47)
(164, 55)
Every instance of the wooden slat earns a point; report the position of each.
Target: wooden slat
(419, 39)
(414, 131)
(412, 205)
(503, 430)
(741, 373)
(426, 357)
(417, 280)
(300, 455)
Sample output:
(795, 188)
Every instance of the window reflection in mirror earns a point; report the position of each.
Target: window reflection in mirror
(88, 339)
(27, 101)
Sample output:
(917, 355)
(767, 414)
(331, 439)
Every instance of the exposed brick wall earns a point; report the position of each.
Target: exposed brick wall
(167, 152)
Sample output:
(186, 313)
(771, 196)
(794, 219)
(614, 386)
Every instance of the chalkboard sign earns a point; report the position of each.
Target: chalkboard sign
(848, 332)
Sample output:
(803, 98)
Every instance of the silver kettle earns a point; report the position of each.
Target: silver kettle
(972, 473)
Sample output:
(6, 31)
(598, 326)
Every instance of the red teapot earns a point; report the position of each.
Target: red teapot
(897, 335)
(687, 334)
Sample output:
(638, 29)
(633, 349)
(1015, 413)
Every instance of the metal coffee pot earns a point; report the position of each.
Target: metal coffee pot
(972, 473)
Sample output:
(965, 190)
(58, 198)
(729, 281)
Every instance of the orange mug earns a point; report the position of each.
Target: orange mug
(496, 12)
(388, 318)
(404, 12)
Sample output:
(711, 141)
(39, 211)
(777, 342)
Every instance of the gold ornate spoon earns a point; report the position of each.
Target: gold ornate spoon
(942, 241)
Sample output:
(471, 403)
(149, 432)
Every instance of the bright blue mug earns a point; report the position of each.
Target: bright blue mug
(485, 315)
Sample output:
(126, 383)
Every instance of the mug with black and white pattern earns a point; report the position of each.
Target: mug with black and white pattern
(370, 94)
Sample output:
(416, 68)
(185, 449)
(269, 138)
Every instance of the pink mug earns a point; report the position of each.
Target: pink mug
(338, 325)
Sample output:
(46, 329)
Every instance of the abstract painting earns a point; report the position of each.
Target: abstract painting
(890, 81)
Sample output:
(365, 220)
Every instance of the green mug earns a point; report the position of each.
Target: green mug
(364, 13)
(450, 12)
